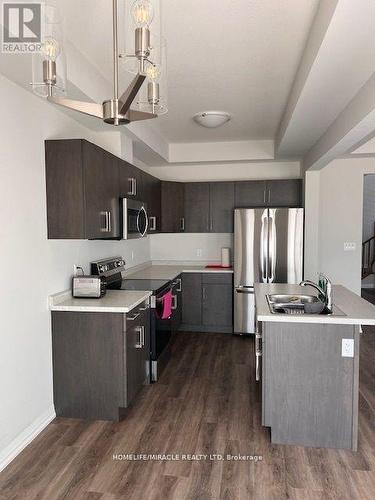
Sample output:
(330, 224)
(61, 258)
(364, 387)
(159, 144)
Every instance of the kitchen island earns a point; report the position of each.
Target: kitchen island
(310, 368)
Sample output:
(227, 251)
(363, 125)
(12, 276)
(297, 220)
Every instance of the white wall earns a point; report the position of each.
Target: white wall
(228, 171)
(32, 266)
(338, 216)
(185, 246)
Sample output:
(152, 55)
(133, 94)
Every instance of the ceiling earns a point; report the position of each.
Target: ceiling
(237, 56)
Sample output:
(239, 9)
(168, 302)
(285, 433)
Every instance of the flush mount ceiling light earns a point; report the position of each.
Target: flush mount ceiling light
(212, 119)
(49, 69)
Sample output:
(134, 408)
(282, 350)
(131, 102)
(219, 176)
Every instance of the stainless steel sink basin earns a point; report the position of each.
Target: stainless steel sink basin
(295, 304)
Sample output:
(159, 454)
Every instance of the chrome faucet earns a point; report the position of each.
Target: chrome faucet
(325, 291)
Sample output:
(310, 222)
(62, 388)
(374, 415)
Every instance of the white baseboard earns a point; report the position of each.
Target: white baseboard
(25, 438)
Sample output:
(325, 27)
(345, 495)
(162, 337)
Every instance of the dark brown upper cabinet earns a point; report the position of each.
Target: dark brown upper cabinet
(172, 207)
(82, 191)
(221, 207)
(131, 181)
(274, 193)
(197, 207)
(284, 193)
(151, 192)
(250, 194)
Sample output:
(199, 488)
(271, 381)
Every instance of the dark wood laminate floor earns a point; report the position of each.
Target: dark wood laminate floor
(206, 402)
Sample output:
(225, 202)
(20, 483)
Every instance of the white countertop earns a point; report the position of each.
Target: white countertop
(114, 301)
(171, 271)
(357, 310)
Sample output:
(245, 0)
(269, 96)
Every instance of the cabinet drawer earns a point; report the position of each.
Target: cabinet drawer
(217, 278)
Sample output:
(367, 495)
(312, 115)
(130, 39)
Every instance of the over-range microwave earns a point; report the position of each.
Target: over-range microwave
(134, 219)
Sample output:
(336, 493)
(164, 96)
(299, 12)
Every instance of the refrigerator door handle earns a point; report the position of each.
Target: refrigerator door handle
(264, 247)
(272, 246)
(244, 289)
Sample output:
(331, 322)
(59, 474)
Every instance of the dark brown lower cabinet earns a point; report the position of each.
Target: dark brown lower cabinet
(207, 302)
(100, 362)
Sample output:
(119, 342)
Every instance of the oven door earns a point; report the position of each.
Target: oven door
(134, 219)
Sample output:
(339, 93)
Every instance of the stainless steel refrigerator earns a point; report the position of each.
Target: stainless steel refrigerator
(268, 248)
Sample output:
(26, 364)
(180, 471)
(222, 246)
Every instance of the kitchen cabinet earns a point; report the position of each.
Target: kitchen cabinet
(100, 362)
(151, 187)
(274, 193)
(137, 351)
(310, 391)
(207, 302)
(192, 299)
(197, 207)
(221, 207)
(177, 304)
(82, 183)
(172, 207)
(284, 193)
(217, 302)
(250, 194)
(101, 192)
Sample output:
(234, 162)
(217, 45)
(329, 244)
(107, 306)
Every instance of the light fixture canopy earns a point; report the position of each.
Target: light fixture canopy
(117, 110)
(212, 119)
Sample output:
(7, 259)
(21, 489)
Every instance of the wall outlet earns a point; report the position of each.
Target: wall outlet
(199, 252)
(349, 246)
(132, 255)
(347, 348)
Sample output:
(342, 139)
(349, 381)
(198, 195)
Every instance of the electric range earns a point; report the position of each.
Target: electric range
(160, 329)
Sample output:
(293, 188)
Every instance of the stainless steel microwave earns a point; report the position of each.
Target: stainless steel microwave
(134, 219)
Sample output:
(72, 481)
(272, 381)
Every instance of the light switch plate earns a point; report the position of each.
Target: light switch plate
(199, 252)
(349, 246)
(347, 348)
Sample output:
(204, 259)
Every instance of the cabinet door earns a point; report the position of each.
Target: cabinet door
(250, 194)
(192, 299)
(221, 207)
(177, 305)
(197, 207)
(131, 181)
(217, 309)
(172, 207)
(284, 193)
(134, 357)
(152, 197)
(64, 184)
(101, 182)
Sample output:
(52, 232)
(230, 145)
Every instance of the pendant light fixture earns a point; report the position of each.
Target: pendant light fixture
(50, 83)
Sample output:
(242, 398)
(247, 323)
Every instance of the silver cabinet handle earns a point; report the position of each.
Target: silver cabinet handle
(204, 295)
(152, 223)
(182, 224)
(133, 186)
(264, 195)
(138, 344)
(258, 355)
(269, 196)
(105, 228)
(179, 282)
(174, 302)
(143, 336)
(109, 222)
(134, 317)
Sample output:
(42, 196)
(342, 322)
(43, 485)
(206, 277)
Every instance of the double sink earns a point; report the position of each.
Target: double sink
(300, 304)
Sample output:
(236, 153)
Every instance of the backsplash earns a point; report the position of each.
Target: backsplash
(202, 247)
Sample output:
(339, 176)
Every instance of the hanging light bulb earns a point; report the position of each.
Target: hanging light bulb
(153, 72)
(51, 49)
(143, 13)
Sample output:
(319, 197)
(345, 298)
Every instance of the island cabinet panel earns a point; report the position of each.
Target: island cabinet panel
(197, 207)
(172, 207)
(221, 207)
(310, 390)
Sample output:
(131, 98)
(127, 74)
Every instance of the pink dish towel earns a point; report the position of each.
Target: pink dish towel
(165, 309)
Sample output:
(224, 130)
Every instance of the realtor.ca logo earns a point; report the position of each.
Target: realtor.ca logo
(22, 27)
